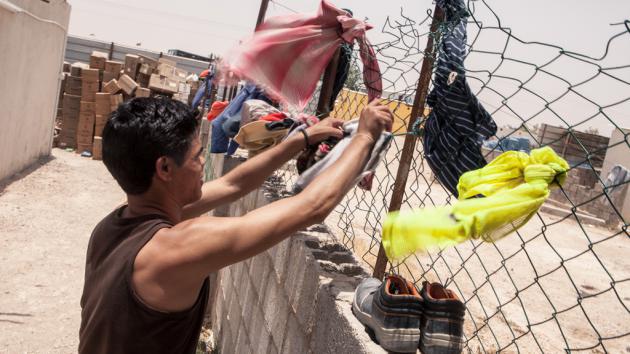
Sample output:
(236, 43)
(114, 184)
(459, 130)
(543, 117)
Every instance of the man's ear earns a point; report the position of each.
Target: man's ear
(164, 168)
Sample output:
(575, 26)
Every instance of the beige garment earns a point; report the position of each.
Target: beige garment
(255, 136)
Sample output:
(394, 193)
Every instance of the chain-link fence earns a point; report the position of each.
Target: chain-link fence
(561, 282)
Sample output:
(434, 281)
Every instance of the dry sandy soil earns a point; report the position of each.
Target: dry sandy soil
(46, 216)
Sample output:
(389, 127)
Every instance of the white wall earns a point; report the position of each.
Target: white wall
(31, 59)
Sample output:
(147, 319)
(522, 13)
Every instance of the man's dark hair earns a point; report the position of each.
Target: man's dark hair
(139, 132)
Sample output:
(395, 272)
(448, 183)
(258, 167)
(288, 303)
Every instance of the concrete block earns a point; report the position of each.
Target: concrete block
(275, 310)
(280, 259)
(260, 271)
(306, 302)
(242, 342)
(234, 314)
(295, 340)
(295, 272)
(260, 336)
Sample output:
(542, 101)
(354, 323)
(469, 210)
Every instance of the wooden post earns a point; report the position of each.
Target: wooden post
(262, 12)
(410, 140)
(328, 82)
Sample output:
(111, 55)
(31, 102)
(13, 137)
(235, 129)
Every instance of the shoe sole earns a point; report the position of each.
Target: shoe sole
(440, 344)
(394, 340)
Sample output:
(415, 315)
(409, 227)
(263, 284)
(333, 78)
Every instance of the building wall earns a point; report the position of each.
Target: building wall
(31, 60)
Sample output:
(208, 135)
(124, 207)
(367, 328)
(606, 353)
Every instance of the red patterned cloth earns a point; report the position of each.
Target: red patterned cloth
(288, 54)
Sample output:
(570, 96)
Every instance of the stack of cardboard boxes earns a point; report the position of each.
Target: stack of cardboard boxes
(89, 93)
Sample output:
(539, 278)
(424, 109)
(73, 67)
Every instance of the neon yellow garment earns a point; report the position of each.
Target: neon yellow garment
(514, 186)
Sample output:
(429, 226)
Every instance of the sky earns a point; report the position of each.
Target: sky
(207, 26)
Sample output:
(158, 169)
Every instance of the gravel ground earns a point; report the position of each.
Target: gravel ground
(46, 216)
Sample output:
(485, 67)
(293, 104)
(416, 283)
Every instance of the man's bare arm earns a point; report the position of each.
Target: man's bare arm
(252, 173)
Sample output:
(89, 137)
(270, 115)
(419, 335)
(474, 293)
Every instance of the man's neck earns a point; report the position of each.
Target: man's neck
(151, 203)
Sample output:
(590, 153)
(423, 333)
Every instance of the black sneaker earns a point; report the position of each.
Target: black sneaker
(442, 324)
(392, 309)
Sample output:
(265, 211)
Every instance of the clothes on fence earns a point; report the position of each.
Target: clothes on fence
(205, 88)
(233, 122)
(343, 69)
(493, 202)
(274, 117)
(350, 128)
(255, 136)
(254, 110)
(216, 109)
(458, 123)
(220, 141)
(286, 123)
(288, 54)
(617, 176)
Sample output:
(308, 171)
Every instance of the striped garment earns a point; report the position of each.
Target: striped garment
(458, 123)
(288, 54)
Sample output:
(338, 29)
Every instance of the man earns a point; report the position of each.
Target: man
(147, 267)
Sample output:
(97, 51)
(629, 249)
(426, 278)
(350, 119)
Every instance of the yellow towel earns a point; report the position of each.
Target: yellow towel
(511, 189)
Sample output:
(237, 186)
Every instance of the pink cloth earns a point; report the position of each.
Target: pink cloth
(288, 54)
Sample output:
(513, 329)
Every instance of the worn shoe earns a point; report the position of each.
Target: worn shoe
(392, 309)
(442, 323)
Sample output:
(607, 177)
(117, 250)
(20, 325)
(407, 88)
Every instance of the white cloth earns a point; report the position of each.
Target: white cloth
(378, 151)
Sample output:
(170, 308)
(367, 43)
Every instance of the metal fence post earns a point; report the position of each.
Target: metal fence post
(410, 140)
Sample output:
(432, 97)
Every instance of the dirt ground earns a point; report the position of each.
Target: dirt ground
(46, 216)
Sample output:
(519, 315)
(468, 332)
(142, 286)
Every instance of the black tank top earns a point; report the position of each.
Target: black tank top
(113, 318)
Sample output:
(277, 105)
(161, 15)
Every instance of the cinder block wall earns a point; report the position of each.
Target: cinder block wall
(31, 59)
(294, 298)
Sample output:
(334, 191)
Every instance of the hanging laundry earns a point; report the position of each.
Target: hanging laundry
(458, 123)
(205, 88)
(254, 110)
(216, 109)
(512, 188)
(288, 54)
(233, 122)
(350, 128)
(219, 140)
(255, 136)
(274, 117)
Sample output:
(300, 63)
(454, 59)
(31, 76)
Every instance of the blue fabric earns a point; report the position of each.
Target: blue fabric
(458, 123)
(204, 91)
(224, 123)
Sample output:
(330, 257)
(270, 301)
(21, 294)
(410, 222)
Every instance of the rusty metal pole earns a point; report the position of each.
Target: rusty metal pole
(328, 82)
(262, 12)
(406, 157)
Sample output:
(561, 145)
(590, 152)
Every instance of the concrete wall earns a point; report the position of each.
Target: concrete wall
(294, 298)
(31, 58)
(619, 154)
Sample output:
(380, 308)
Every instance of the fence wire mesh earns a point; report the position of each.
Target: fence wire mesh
(562, 282)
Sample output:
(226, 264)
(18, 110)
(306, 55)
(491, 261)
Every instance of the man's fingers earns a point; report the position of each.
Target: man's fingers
(334, 122)
(335, 132)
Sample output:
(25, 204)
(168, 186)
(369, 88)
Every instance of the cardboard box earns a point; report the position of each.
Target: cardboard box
(99, 124)
(98, 59)
(71, 102)
(170, 62)
(97, 148)
(143, 92)
(150, 62)
(66, 67)
(172, 72)
(131, 65)
(102, 103)
(143, 80)
(75, 70)
(112, 87)
(116, 100)
(127, 84)
(145, 69)
(90, 75)
(73, 85)
(163, 84)
(114, 67)
(89, 90)
(87, 106)
(107, 76)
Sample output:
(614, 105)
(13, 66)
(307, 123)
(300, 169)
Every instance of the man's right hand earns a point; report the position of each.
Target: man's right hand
(375, 118)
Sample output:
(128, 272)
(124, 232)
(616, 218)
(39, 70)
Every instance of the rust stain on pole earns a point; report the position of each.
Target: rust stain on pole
(410, 140)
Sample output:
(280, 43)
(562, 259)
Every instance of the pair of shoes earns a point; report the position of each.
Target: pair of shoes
(404, 319)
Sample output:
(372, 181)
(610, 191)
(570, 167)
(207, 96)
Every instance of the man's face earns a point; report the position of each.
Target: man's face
(188, 178)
